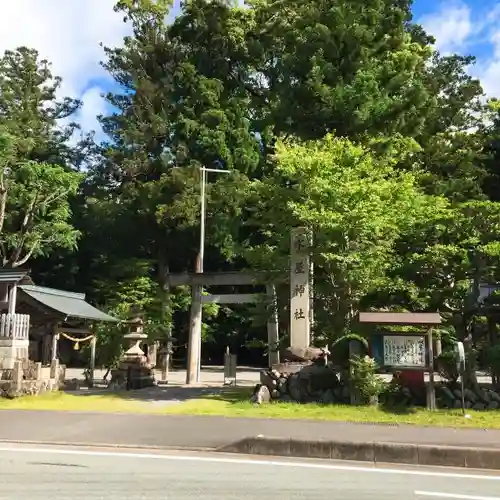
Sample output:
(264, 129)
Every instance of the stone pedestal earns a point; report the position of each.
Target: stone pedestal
(134, 371)
(12, 350)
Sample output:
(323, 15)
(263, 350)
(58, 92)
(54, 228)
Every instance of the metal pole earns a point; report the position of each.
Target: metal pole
(202, 222)
(200, 265)
(194, 349)
(193, 373)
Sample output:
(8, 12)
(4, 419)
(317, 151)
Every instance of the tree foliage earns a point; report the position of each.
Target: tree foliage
(36, 181)
(357, 205)
(339, 116)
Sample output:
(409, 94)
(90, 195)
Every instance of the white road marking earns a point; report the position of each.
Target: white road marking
(243, 461)
(436, 494)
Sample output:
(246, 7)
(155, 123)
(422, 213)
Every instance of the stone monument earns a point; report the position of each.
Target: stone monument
(134, 371)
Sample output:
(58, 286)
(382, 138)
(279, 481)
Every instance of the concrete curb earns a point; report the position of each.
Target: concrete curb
(397, 453)
(77, 444)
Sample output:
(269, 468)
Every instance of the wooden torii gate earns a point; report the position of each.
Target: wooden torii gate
(207, 279)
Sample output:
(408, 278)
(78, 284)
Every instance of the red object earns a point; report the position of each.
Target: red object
(412, 378)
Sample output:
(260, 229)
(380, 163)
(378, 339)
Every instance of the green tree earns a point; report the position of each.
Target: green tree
(34, 208)
(36, 178)
(31, 112)
(356, 204)
(220, 85)
(176, 114)
(350, 67)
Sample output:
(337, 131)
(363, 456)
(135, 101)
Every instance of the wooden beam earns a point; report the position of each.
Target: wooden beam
(230, 298)
(217, 278)
(400, 318)
(78, 331)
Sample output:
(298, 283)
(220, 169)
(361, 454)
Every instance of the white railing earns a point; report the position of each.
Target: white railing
(15, 326)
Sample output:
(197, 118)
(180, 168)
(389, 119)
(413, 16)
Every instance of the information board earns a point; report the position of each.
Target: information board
(401, 350)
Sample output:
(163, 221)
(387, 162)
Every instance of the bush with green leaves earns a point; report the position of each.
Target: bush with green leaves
(365, 378)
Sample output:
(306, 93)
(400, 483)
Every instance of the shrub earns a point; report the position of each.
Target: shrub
(365, 379)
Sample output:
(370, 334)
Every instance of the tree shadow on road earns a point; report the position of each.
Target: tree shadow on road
(169, 394)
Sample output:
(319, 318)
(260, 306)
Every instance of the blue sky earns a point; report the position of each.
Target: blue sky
(68, 33)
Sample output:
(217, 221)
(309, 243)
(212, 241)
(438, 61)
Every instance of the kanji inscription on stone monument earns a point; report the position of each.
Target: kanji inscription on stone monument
(299, 287)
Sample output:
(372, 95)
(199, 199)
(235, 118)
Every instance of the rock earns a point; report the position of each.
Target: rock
(483, 396)
(281, 382)
(327, 397)
(447, 393)
(478, 406)
(457, 393)
(12, 393)
(72, 385)
(494, 396)
(320, 378)
(445, 403)
(337, 393)
(267, 379)
(275, 394)
(346, 393)
(493, 405)
(457, 403)
(470, 396)
(298, 387)
(405, 391)
(308, 354)
(283, 389)
(261, 395)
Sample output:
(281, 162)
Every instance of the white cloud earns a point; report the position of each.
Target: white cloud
(458, 29)
(93, 105)
(68, 34)
(451, 25)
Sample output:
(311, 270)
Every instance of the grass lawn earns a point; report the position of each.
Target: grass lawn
(60, 401)
(235, 403)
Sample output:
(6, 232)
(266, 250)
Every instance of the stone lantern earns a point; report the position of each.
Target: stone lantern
(135, 337)
(134, 371)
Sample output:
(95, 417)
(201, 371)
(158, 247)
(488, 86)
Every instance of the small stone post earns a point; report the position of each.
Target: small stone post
(17, 377)
(54, 369)
(165, 354)
(93, 344)
(55, 342)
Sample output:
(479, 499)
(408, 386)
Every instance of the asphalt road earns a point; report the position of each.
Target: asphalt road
(59, 474)
(184, 431)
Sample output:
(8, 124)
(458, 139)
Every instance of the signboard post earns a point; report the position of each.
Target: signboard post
(229, 368)
(300, 315)
(408, 354)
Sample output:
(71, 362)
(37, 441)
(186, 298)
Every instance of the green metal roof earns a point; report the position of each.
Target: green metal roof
(70, 304)
(14, 275)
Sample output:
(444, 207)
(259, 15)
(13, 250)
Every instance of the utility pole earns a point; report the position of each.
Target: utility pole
(193, 374)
